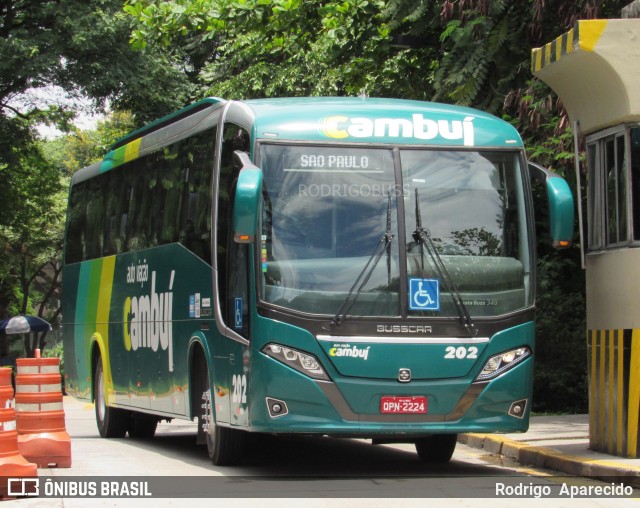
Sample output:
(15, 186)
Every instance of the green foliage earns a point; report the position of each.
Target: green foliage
(561, 348)
(81, 48)
(30, 217)
(266, 48)
(31, 236)
(57, 351)
(84, 147)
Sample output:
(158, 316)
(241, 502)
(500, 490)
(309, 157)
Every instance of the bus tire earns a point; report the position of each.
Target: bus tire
(225, 446)
(112, 422)
(436, 449)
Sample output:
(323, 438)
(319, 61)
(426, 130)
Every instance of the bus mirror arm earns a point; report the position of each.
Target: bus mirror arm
(247, 199)
(561, 205)
(242, 160)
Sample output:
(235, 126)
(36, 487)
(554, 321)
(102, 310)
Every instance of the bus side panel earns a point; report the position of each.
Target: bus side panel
(219, 360)
(85, 306)
(71, 330)
(239, 380)
(141, 309)
(161, 298)
(119, 359)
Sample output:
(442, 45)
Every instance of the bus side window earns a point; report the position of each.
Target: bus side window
(75, 245)
(233, 258)
(197, 169)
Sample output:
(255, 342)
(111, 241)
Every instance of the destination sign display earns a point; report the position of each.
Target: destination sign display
(315, 159)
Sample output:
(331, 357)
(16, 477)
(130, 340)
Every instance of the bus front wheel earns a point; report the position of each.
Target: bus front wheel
(436, 449)
(225, 446)
(112, 422)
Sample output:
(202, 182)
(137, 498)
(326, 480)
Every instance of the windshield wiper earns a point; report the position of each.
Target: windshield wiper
(422, 236)
(384, 245)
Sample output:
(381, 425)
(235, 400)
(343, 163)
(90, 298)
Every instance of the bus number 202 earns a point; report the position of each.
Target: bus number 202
(461, 353)
(239, 394)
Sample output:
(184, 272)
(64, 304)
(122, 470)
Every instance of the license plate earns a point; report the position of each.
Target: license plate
(403, 405)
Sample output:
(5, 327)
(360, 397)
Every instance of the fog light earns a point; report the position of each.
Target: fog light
(276, 407)
(518, 408)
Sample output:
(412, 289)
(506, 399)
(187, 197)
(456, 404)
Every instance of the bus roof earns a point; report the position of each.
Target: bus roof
(352, 119)
(167, 120)
(325, 119)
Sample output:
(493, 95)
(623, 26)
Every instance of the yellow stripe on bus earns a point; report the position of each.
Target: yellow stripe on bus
(102, 319)
(132, 150)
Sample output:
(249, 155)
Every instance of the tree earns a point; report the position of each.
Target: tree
(32, 238)
(485, 46)
(31, 234)
(81, 48)
(83, 147)
(265, 48)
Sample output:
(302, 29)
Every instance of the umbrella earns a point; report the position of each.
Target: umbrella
(24, 324)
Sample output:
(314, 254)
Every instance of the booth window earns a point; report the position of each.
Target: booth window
(635, 181)
(608, 189)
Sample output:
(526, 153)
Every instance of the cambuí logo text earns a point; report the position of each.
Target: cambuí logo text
(419, 127)
(148, 317)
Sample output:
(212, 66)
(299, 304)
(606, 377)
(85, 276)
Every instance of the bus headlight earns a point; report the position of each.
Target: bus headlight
(499, 364)
(302, 362)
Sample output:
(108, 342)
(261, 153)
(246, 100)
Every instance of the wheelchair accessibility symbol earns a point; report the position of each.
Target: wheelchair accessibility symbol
(424, 294)
(238, 312)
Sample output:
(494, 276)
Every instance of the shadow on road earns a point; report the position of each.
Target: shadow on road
(306, 456)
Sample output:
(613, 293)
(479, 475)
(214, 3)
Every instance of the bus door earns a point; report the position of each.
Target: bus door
(233, 286)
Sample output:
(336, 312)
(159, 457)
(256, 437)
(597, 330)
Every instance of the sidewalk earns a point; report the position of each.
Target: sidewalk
(560, 443)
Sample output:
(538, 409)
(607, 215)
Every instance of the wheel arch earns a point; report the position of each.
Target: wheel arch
(199, 357)
(97, 350)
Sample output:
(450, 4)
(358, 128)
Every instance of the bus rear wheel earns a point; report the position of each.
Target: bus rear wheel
(436, 449)
(142, 426)
(112, 422)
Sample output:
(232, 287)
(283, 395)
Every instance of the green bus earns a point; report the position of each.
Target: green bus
(345, 267)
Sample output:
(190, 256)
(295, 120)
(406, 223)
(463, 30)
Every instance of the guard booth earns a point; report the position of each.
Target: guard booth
(595, 70)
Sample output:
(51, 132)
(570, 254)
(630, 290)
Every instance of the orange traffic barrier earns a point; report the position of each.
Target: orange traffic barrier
(42, 434)
(6, 388)
(12, 463)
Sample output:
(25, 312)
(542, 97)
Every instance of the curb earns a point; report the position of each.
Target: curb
(549, 458)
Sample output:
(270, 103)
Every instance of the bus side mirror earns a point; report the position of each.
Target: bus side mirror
(247, 199)
(560, 205)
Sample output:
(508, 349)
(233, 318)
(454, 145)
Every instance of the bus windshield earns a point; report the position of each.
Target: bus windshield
(326, 210)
